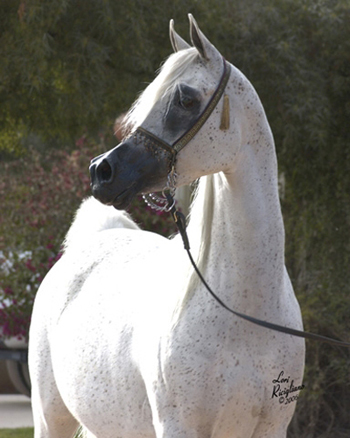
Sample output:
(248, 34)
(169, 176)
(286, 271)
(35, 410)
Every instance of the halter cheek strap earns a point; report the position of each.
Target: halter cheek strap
(147, 137)
(187, 137)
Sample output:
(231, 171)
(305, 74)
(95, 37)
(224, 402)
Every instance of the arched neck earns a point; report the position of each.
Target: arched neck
(242, 235)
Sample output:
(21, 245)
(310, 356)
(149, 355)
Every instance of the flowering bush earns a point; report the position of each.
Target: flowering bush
(39, 197)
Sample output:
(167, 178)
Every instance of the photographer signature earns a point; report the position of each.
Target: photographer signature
(285, 390)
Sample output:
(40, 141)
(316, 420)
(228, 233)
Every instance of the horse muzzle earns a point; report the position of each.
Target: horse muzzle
(130, 169)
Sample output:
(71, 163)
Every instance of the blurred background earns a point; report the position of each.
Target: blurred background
(69, 68)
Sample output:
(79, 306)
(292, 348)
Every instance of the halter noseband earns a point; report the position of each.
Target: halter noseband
(146, 137)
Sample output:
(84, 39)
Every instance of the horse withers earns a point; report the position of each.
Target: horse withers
(125, 341)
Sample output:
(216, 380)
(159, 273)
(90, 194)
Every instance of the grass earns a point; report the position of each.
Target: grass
(17, 433)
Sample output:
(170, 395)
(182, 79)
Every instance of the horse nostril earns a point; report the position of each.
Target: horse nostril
(104, 172)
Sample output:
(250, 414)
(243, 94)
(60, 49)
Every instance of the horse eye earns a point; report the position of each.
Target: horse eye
(186, 102)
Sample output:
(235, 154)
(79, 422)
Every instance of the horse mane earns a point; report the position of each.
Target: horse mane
(202, 206)
(163, 85)
(93, 217)
(199, 232)
(200, 218)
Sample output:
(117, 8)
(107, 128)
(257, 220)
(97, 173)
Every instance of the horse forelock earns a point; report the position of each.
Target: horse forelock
(164, 84)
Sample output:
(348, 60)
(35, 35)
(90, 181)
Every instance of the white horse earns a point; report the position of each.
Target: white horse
(125, 341)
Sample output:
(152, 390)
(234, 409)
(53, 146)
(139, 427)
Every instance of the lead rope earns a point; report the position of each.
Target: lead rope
(180, 222)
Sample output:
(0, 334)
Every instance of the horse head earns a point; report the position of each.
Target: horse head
(168, 116)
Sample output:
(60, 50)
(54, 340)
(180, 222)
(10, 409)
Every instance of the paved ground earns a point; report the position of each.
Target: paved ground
(15, 411)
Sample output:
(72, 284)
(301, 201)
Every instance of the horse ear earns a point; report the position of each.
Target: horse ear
(176, 41)
(199, 40)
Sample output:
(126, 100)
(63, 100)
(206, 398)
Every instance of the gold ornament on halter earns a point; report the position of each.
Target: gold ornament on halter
(225, 116)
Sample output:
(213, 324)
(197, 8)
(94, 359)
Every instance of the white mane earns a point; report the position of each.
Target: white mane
(163, 84)
(198, 231)
(93, 217)
(202, 204)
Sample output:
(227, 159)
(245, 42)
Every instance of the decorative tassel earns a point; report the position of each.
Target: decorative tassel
(225, 116)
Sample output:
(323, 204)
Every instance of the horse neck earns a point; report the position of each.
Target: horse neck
(241, 232)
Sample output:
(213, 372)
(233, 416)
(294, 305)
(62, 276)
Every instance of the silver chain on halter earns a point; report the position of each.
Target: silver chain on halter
(160, 202)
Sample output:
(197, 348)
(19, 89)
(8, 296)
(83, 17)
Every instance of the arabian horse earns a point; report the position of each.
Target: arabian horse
(125, 341)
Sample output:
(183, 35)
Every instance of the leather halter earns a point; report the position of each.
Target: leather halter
(141, 134)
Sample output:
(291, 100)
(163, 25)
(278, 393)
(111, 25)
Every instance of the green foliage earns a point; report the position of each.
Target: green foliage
(17, 433)
(68, 65)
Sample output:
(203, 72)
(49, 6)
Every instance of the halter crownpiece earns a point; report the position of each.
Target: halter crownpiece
(151, 140)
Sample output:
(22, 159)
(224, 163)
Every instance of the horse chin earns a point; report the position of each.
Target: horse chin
(124, 199)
